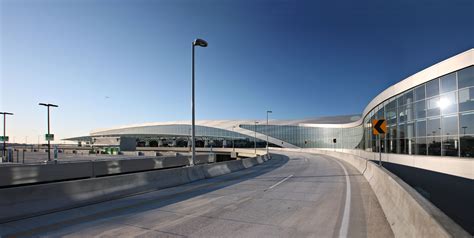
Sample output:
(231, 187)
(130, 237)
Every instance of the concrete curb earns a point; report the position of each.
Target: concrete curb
(408, 213)
(28, 201)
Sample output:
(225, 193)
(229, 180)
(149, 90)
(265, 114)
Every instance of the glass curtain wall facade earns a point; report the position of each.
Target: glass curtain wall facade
(435, 118)
(311, 137)
(178, 130)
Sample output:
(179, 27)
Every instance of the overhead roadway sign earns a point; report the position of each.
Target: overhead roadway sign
(3, 138)
(379, 126)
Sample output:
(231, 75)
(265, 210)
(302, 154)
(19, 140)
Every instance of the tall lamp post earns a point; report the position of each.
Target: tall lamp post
(255, 138)
(201, 43)
(4, 132)
(266, 129)
(48, 105)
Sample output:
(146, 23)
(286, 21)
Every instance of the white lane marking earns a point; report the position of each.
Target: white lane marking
(347, 206)
(283, 180)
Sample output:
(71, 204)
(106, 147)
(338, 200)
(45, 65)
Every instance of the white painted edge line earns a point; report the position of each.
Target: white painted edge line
(281, 181)
(343, 231)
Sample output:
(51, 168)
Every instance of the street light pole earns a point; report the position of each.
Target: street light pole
(266, 129)
(48, 105)
(201, 43)
(4, 132)
(255, 138)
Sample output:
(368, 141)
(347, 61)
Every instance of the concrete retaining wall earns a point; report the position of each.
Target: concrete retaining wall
(26, 201)
(408, 213)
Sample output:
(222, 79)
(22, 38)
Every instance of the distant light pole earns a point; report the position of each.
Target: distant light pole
(266, 129)
(201, 43)
(464, 127)
(4, 131)
(255, 138)
(48, 105)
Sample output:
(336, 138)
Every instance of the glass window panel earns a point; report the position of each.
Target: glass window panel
(411, 146)
(380, 112)
(410, 130)
(448, 83)
(450, 146)
(432, 88)
(420, 109)
(466, 77)
(448, 103)
(391, 116)
(409, 96)
(433, 127)
(401, 100)
(450, 125)
(405, 98)
(402, 112)
(410, 112)
(374, 142)
(467, 146)
(402, 146)
(392, 131)
(432, 106)
(434, 145)
(392, 146)
(391, 104)
(389, 132)
(384, 146)
(466, 99)
(466, 123)
(401, 131)
(420, 129)
(420, 93)
(420, 146)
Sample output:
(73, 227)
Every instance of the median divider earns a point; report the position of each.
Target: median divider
(408, 213)
(33, 200)
(16, 175)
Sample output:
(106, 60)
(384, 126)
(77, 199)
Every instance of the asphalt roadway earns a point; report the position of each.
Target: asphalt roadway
(292, 195)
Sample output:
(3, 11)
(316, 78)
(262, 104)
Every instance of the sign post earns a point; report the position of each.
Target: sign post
(379, 127)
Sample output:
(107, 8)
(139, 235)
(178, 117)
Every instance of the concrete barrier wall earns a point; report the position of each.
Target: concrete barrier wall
(27, 174)
(26, 201)
(41, 173)
(461, 167)
(408, 213)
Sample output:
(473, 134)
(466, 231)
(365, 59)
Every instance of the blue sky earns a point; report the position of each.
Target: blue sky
(112, 62)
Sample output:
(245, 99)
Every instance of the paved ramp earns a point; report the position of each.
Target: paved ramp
(292, 195)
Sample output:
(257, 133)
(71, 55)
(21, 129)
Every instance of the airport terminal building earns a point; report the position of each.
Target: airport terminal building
(430, 119)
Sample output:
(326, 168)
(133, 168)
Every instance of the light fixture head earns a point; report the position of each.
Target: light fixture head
(200, 42)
